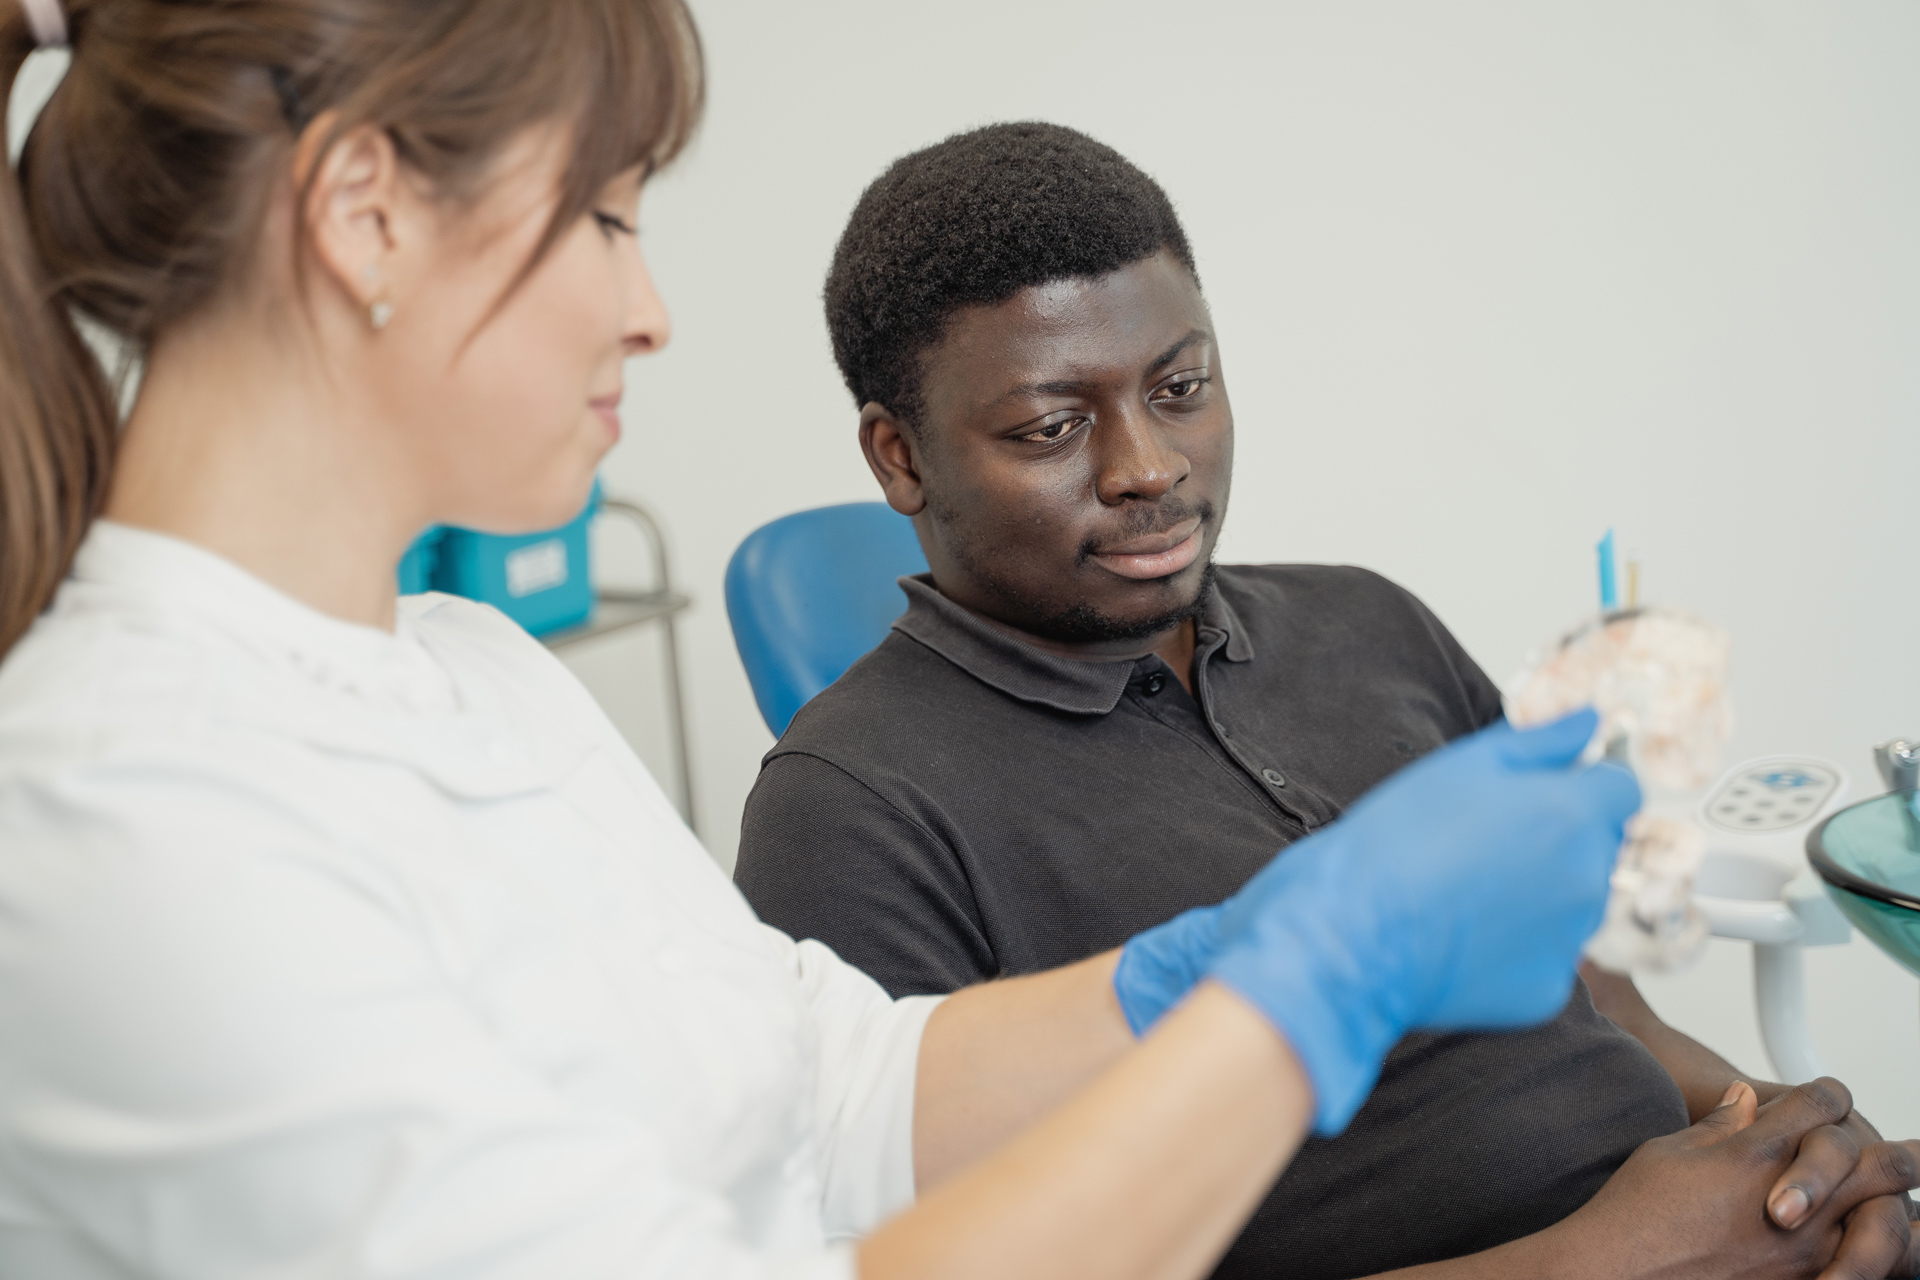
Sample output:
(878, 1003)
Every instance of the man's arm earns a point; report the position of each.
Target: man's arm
(1685, 1205)
(1702, 1074)
(1698, 1070)
(823, 856)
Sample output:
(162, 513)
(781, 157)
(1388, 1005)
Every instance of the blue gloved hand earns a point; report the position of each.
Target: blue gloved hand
(1499, 805)
(1158, 966)
(1456, 894)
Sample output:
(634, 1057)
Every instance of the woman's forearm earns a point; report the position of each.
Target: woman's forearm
(1146, 1174)
(997, 1057)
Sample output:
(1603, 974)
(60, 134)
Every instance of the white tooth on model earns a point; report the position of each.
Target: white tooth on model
(1658, 678)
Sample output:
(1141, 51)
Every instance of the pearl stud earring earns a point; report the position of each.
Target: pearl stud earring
(379, 311)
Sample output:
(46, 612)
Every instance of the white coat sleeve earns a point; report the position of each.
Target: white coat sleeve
(227, 1056)
(869, 1053)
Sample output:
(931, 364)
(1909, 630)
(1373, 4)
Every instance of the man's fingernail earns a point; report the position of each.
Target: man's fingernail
(1733, 1091)
(1790, 1206)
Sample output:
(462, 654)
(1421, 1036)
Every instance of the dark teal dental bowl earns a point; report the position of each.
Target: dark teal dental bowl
(1868, 855)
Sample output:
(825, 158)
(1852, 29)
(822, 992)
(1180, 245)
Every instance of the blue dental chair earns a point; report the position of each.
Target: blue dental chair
(812, 592)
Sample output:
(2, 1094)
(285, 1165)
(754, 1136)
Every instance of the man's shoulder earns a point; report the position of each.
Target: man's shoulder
(1291, 607)
(1346, 618)
(1261, 587)
(883, 706)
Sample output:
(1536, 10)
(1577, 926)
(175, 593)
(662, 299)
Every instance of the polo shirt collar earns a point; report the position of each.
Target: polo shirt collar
(1019, 670)
(1217, 618)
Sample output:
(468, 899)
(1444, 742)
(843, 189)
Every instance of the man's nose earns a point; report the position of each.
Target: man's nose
(1136, 460)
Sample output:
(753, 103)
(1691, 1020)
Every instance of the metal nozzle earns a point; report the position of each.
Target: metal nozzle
(1899, 763)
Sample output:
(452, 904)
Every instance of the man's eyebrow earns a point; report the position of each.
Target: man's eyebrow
(1067, 386)
(1172, 353)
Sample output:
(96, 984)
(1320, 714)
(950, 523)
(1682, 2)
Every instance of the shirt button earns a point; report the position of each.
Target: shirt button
(1155, 683)
(1274, 776)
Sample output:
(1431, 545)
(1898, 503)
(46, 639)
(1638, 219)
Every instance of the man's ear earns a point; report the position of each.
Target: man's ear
(357, 205)
(895, 461)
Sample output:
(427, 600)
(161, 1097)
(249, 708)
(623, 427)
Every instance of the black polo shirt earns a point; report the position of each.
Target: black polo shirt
(960, 806)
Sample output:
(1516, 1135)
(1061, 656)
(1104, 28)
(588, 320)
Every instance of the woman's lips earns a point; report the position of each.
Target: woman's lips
(608, 407)
(1156, 556)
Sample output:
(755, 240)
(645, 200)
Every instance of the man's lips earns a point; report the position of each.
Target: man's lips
(1156, 555)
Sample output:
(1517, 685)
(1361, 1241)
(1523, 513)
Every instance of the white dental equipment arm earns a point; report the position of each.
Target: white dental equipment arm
(1754, 885)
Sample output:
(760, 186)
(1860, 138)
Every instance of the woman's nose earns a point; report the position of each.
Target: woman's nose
(646, 327)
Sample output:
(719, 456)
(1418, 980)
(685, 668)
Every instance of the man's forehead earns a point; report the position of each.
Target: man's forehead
(1069, 331)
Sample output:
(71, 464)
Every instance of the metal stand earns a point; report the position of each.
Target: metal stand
(617, 611)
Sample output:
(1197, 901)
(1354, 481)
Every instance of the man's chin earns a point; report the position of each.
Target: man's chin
(1087, 623)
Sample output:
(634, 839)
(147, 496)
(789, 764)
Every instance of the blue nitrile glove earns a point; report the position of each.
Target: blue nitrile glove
(1160, 965)
(1457, 894)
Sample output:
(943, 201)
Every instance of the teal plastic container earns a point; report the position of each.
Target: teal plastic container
(416, 567)
(543, 581)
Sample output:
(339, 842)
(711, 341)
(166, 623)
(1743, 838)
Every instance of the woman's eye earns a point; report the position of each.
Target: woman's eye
(611, 222)
(1053, 431)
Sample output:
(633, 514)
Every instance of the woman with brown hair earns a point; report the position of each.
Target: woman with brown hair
(341, 935)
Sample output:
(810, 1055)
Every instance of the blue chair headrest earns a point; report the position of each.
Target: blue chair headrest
(812, 592)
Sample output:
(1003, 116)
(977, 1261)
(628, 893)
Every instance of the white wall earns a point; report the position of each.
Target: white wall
(1489, 277)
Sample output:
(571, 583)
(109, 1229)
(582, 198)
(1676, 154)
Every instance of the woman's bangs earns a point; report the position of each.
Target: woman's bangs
(642, 100)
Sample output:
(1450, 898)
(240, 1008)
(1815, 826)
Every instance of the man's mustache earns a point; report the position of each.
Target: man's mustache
(1144, 522)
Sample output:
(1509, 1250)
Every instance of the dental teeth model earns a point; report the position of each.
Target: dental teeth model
(1658, 678)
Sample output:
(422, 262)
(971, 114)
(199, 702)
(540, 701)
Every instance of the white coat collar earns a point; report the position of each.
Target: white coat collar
(344, 688)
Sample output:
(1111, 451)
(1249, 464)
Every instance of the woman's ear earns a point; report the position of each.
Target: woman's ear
(891, 454)
(359, 210)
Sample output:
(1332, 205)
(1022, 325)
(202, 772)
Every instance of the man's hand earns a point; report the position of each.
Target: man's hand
(1787, 1208)
(1795, 1188)
(1704, 1077)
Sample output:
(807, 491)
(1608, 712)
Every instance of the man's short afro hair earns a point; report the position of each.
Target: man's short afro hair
(974, 220)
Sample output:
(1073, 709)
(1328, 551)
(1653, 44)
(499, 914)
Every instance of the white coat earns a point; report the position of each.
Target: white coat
(328, 952)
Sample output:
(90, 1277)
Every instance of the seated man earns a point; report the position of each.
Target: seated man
(1081, 727)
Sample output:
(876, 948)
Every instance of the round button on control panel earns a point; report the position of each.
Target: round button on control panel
(1771, 797)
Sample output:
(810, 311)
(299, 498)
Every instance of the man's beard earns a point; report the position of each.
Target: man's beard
(1080, 622)
(1083, 624)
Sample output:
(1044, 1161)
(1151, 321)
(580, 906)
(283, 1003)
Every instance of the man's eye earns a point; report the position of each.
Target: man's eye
(1184, 389)
(1054, 431)
(611, 222)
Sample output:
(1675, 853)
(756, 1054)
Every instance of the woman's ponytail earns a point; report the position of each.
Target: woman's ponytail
(57, 416)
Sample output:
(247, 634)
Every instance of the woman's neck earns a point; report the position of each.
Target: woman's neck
(254, 454)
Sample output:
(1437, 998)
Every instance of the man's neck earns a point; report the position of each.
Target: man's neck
(1176, 650)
